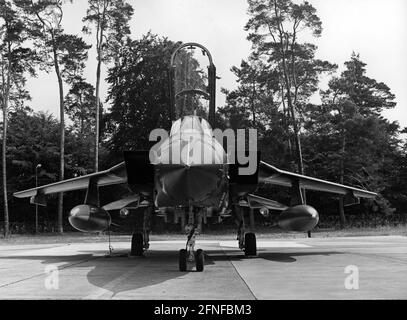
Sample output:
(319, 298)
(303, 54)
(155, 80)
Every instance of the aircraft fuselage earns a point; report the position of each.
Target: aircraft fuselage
(190, 166)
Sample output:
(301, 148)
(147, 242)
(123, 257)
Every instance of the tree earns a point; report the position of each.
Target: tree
(255, 93)
(63, 53)
(33, 139)
(15, 62)
(79, 106)
(274, 28)
(347, 135)
(256, 104)
(110, 19)
(138, 93)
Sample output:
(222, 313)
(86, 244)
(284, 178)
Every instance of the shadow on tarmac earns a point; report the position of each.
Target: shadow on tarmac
(155, 267)
(270, 256)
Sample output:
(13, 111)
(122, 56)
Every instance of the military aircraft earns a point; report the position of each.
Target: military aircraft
(191, 189)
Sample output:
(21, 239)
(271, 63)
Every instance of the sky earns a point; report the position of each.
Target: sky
(375, 29)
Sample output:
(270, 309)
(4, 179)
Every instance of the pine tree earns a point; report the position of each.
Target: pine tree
(61, 52)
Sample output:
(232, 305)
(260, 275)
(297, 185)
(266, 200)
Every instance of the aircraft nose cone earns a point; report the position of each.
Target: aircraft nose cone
(186, 183)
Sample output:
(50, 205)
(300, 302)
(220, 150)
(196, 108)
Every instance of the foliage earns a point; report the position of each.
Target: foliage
(79, 106)
(111, 22)
(343, 139)
(110, 19)
(347, 139)
(138, 93)
(274, 29)
(62, 52)
(16, 61)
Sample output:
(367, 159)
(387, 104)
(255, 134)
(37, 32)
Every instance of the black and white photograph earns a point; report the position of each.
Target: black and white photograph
(212, 151)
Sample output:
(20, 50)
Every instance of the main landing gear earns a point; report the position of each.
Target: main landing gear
(250, 247)
(189, 254)
(247, 240)
(141, 236)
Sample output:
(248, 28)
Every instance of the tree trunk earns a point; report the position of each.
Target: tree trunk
(6, 95)
(341, 210)
(98, 71)
(253, 104)
(4, 169)
(286, 121)
(287, 84)
(341, 178)
(97, 113)
(62, 156)
(297, 140)
(62, 137)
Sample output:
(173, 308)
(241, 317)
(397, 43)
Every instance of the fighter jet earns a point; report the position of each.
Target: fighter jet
(191, 188)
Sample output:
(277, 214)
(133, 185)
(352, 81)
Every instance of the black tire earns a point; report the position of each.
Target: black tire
(182, 260)
(137, 248)
(199, 260)
(250, 247)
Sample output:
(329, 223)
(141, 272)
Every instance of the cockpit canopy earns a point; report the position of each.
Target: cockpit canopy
(190, 143)
(191, 123)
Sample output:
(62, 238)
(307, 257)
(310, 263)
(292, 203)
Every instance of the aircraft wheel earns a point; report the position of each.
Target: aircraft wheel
(199, 260)
(250, 247)
(182, 260)
(137, 244)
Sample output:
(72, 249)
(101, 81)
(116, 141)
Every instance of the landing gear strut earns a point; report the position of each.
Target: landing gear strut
(188, 254)
(250, 247)
(140, 241)
(247, 240)
(137, 247)
(182, 260)
(199, 260)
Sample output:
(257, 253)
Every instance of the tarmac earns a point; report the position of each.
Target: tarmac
(315, 268)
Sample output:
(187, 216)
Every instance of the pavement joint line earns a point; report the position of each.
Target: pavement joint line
(378, 256)
(35, 249)
(26, 249)
(237, 272)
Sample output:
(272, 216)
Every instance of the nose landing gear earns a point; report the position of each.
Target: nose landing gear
(189, 255)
